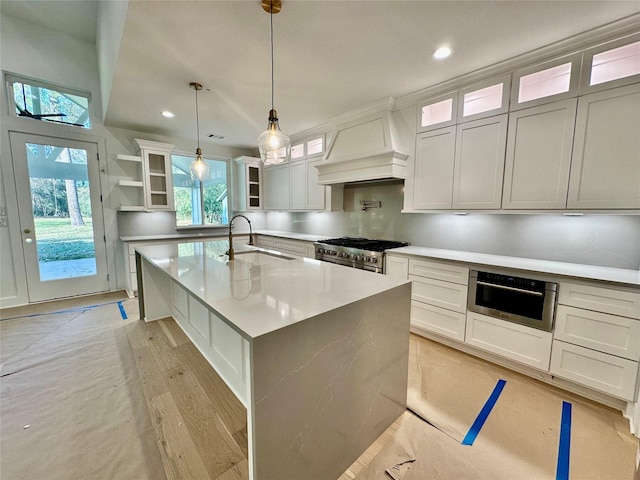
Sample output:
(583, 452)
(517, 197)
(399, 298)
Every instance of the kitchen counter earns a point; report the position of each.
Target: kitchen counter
(259, 299)
(586, 272)
(317, 353)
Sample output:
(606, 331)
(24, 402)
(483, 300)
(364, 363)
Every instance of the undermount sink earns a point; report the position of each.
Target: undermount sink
(257, 257)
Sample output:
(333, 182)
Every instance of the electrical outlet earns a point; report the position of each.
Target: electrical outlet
(3, 211)
(3, 221)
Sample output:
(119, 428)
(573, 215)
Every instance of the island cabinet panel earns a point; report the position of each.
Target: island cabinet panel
(605, 168)
(539, 147)
(523, 344)
(221, 345)
(479, 163)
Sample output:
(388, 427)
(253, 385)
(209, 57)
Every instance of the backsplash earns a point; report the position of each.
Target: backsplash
(603, 240)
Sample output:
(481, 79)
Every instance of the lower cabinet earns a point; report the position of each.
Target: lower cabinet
(438, 320)
(600, 371)
(523, 344)
(297, 248)
(221, 345)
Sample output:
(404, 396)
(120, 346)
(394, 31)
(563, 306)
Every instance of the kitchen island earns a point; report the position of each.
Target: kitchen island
(317, 353)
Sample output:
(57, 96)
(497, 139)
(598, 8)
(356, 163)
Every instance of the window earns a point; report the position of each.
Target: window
(200, 203)
(48, 103)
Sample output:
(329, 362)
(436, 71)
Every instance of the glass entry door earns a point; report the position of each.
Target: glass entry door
(60, 210)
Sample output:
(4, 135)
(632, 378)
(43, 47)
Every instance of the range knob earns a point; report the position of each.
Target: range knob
(333, 252)
(344, 255)
(372, 259)
(358, 258)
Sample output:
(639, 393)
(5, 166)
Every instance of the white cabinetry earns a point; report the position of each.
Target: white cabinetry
(276, 184)
(439, 305)
(523, 344)
(539, 156)
(248, 183)
(433, 176)
(157, 177)
(396, 267)
(479, 163)
(298, 248)
(605, 168)
(131, 188)
(597, 338)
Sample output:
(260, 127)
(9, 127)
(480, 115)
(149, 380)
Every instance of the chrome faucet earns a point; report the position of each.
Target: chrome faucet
(230, 251)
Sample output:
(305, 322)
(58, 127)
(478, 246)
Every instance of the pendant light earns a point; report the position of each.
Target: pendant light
(200, 169)
(274, 145)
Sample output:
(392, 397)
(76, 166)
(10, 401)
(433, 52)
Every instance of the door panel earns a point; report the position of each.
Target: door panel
(60, 213)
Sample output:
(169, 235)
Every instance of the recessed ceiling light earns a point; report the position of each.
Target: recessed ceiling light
(167, 114)
(442, 52)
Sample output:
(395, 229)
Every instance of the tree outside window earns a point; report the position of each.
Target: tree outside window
(200, 203)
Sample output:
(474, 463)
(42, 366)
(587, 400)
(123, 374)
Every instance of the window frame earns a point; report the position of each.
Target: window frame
(230, 187)
(10, 78)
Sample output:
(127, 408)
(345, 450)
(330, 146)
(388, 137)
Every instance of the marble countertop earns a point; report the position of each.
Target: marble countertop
(258, 299)
(587, 272)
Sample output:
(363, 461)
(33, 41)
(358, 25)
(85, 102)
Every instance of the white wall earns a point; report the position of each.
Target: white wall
(57, 58)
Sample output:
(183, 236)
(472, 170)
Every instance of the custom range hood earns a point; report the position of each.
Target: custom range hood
(364, 150)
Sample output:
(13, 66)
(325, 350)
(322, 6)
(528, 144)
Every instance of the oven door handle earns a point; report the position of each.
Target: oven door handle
(513, 289)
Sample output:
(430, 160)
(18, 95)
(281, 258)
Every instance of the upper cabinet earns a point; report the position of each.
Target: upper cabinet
(438, 112)
(149, 184)
(611, 65)
(547, 82)
(158, 179)
(485, 99)
(605, 167)
(538, 156)
(562, 134)
(294, 186)
(248, 183)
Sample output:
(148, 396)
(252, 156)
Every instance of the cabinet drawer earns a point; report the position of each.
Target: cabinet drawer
(290, 246)
(523, 344)
(438, 320)
(439, 271)
(451, 296)
(606, 300)
(606, 373)
(606, 333)
(265, 242)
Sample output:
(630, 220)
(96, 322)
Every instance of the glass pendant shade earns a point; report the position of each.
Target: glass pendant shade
(200, 169)
(274, 145)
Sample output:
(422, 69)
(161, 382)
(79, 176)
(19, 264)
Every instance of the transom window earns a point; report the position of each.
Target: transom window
(200, 203)
(48, 103)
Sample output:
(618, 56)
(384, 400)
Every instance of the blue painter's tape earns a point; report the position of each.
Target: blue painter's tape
(473, 432)
(564, 448)
(122, 312)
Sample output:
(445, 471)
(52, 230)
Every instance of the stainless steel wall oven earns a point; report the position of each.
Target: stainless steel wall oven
(520, 300)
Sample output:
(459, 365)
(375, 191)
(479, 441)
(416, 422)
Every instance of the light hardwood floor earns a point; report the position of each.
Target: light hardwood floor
(188, 422)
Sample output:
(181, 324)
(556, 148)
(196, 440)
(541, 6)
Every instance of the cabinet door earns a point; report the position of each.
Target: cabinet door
(158, 180)
(298, 185)
(605, 168)
(433, 176)
(315, 193)
(479, 163)
(538, 156)
(276, 185)
(396, 267)
(270, 187)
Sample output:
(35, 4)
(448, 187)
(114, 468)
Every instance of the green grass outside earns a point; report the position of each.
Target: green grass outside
(58, 240)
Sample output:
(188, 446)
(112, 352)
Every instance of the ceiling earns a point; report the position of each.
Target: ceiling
(331, 57)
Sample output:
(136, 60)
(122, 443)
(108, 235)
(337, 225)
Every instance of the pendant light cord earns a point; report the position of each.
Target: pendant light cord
(272, 82)
(197, 116)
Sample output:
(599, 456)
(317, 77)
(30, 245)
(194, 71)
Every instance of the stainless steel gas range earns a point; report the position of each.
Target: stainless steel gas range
(360, 253)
